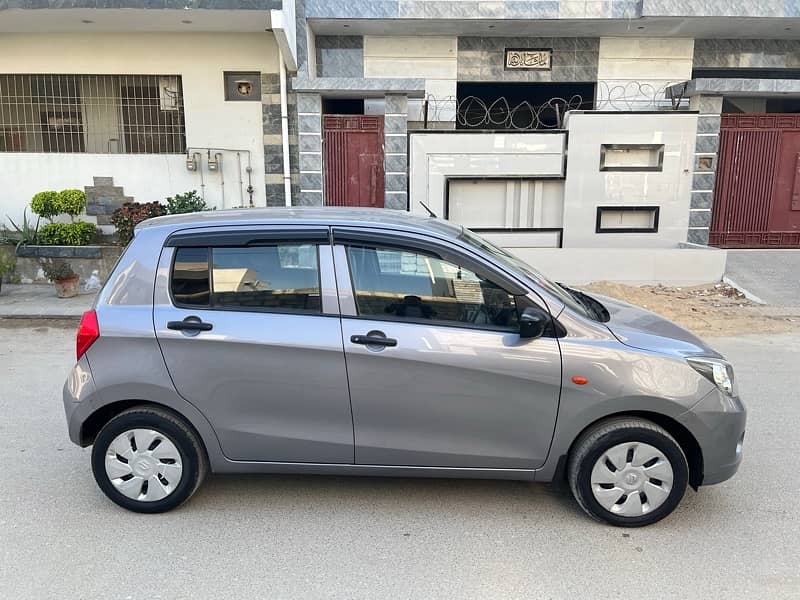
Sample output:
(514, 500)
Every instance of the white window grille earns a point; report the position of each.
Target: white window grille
(102, 114)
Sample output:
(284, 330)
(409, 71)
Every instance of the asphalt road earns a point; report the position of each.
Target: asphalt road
(325, 537)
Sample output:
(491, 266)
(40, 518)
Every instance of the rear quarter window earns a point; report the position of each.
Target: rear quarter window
(190, 279)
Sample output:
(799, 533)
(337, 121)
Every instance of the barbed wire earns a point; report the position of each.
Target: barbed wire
(473, 112)
(636, 95)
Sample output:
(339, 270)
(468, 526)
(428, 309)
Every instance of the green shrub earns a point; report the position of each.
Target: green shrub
(79, 233)
(56, 269)
(46, 204)
(188, 202)
(27, 232)
(71, 202)
(130, 214)
(7, 262)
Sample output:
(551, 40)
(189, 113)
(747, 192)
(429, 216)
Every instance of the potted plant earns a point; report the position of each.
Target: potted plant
(6, 265)
(63, 277)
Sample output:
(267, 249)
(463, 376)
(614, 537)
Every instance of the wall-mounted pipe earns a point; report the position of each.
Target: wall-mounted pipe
(220, 166)
(241, 183)
(199, 159)
(287, 173)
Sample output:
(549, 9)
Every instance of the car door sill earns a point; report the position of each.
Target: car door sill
(232, 466)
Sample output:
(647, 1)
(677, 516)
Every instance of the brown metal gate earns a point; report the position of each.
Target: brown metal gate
(757, 190)
(353, 153)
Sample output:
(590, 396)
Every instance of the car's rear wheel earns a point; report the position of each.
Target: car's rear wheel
(628, 472)
(148, 460)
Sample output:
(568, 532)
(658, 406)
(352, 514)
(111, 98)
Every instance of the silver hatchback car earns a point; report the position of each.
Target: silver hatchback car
(371, 342)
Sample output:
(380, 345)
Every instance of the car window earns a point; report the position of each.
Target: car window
(399, 284)
(190, 283)
(509, 260)
(279, 278)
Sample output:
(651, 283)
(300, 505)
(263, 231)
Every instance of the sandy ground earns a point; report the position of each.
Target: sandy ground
(711, 310)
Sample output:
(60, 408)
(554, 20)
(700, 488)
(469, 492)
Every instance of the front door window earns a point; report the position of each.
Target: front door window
(404, 285)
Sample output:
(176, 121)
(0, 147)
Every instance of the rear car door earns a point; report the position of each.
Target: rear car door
(248, 324)
(452, 384)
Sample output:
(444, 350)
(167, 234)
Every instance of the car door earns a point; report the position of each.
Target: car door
(439, 375)
(249, 328)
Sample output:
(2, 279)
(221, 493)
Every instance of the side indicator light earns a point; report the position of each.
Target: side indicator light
(579, 380)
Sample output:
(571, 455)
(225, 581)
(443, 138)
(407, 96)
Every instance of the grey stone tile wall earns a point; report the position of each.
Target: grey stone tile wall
(474, 9)
(720, 8)
(746, 53)
(103, 198)
(340, 56)
(273, 137)
(359, 85)
(309, 121)
(396, 152)
(150, 4)
(483, 58)
(546, 9)
(705, 166)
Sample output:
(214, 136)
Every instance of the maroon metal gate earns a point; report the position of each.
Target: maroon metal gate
(757, 190)
(353, 152)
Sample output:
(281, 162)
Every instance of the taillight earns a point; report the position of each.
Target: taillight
(88, 332)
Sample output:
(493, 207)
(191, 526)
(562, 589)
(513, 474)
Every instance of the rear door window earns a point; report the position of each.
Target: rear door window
(283, 277)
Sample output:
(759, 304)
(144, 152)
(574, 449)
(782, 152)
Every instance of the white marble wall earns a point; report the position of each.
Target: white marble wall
(436, 157)
(587, 187)
(433, 59)
(633, 73)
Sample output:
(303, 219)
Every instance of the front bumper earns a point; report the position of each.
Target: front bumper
(718, 424)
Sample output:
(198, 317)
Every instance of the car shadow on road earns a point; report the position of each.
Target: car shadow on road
(291, 492)
(421, 498)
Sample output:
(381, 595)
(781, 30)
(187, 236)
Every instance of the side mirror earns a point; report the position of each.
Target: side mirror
(533, 322)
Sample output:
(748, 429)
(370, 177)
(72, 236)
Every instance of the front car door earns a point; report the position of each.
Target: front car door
(248, 325)
(451, 384)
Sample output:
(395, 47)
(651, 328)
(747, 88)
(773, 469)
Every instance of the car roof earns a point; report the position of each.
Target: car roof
(326, 216)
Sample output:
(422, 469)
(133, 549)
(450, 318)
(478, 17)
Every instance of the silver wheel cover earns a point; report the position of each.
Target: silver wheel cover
(144, 465)
(632, 479)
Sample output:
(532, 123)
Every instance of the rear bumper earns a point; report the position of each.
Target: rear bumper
(718, 424)
(78, 396)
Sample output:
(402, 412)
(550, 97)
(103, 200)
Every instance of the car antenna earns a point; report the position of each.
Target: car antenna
(430, 212)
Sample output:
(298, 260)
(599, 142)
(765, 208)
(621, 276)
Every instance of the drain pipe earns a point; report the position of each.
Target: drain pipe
(199, 158)
(287, 174)
(241, 183)
(218, 157)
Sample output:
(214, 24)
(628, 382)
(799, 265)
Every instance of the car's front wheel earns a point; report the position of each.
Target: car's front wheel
(148, 460)
(628, 472)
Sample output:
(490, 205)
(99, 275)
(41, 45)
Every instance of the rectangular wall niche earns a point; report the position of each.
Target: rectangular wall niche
(242, 86)
(627, 219)
(507, 204)
(631, 157)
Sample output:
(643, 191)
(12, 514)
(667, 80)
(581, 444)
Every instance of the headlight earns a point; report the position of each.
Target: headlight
(718, 372)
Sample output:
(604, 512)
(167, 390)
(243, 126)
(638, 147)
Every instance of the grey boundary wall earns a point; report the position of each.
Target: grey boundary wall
(395, 144)
(273, 140)
(309, 116)
(705, 166)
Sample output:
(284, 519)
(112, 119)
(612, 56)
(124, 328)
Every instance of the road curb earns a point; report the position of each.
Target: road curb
(747, 294)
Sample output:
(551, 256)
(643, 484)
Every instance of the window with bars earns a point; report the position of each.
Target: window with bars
(103, 114)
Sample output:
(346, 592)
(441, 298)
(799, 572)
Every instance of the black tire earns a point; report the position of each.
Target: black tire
(173, 427)
(593, 443)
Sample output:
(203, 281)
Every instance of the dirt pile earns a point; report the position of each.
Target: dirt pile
(710, 310)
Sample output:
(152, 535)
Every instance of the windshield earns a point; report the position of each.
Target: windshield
(509, 260)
